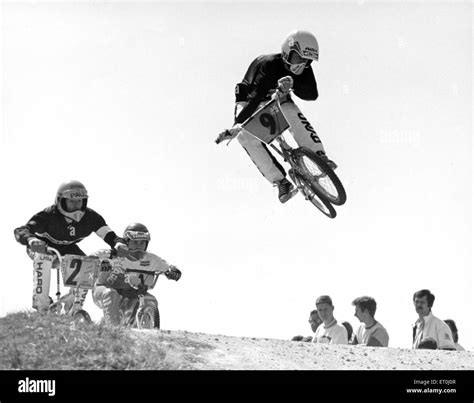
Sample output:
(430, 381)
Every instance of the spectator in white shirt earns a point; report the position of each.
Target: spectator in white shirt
(329, 332)
(429, 326)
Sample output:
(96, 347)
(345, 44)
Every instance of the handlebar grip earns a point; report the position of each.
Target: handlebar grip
(57, 254)
(53, 250)
(222, 136)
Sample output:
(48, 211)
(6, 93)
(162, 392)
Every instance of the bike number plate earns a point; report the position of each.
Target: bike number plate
(79, 271)
(267, 123)
(136, 278)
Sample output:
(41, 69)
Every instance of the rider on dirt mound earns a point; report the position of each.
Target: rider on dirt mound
(61, 226)
(112, 287)
(290, 69)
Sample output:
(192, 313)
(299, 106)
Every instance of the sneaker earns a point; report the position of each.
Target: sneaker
(284, 190)
(330, 163)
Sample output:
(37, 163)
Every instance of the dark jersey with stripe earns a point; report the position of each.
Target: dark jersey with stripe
(63, 233)
(261, 80)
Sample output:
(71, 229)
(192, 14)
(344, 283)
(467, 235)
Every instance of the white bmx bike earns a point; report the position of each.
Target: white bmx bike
(78, 272)
(143, 313)
(311, 174)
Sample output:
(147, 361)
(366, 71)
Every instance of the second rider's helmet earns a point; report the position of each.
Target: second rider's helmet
(71, 190)
(136, 231)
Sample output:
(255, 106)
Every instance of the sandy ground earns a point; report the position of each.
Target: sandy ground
(219, 352)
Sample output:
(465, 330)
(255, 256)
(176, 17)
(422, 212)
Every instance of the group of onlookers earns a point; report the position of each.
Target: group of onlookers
(429, 332)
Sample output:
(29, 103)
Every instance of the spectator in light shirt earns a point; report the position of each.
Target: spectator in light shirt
(329, 332)
(370, 332)
(429, 326)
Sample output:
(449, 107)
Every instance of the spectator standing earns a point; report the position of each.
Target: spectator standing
(314, 321)
(454, 330)
(329, 332)
(370, 332)
(429, 326)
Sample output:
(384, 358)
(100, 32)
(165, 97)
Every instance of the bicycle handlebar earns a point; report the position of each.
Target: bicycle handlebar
(229, 134)
(55, 252)
(156, 274)
(145, 271)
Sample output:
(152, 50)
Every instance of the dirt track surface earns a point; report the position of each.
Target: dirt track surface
(219, 352)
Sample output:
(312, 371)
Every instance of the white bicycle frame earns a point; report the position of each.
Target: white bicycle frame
(59, 257)
(285, 149)
(275, 97)
(141, 297)
(71, 281)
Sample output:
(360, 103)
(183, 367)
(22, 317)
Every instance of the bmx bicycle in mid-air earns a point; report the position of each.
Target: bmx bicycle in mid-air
(310, 173)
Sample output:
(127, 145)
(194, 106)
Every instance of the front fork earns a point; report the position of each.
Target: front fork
(299, 187)
(71, 302)
(80, 295)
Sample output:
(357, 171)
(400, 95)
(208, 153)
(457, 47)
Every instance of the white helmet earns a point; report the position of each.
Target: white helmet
(71, 190)
(302, 42)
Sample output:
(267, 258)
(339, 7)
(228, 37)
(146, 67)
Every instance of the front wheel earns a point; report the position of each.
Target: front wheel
(319, 176)
(305, 188)
(82, 316)
(148, 317)
(55, 307)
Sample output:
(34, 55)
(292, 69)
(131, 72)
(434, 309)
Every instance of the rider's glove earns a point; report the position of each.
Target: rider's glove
(173, 273)
(285, 84)
(105, 265)
(37, 245)
(123, 251)
(229, 134)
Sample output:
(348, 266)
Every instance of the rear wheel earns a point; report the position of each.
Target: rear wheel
(319, 176)
(322, 205)
(148, 317)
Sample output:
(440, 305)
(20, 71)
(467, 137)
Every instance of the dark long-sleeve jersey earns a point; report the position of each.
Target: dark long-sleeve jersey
(262, 78)
(61, 233)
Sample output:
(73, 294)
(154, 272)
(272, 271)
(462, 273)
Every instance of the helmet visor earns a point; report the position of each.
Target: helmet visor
(136, 235)
(295, 58)
(71, 205)
(296, 63)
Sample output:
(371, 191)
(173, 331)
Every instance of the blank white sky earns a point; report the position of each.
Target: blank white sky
(128, 98)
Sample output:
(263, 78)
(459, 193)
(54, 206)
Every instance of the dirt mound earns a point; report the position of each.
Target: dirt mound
(219, 352)
(31, 341)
